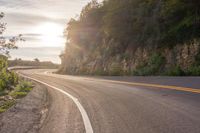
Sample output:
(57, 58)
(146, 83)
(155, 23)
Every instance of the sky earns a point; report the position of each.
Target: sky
(42, 23)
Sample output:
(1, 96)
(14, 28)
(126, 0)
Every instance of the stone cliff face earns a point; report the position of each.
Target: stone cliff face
(102, 61)
(182, 55)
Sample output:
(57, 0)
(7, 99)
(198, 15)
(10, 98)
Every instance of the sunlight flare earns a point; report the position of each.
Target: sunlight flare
(51, 34)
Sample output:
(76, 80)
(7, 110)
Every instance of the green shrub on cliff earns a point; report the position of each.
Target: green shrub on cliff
(115, 70)
(135, 23)
(175, 71)
(197, 59)
(193, 71)
(152, 67)
(100, 72)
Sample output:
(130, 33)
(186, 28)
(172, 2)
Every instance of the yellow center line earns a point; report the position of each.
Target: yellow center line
(178, 88)
(186, 89)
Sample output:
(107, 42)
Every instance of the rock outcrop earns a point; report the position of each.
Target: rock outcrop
(102, 61)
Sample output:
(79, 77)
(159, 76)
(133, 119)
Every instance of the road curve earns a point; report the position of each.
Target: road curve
(114, 107)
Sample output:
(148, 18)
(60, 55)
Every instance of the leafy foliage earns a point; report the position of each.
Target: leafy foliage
(193, 71)
(152, 67)
(24, 86)
(22, 89)
(6, 105)
(116, 70)
(36, 63)
(175, 71)
(136, 23)
(7, 43)
(129, 24)
(7, 79)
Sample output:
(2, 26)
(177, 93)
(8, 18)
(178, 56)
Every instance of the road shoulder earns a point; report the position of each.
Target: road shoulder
(28, 114)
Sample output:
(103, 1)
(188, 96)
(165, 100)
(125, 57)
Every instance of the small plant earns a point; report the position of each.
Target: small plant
(3, 93)
(116, 70)
(197, 59)
(18, 95)
(7, 79)
(6, 105)
(175, 71)
(2, 85)
(21, 89)
(100, 72)
(2, 110)
(24, 86)
(125, 56)
(152, 67)
(193, 71)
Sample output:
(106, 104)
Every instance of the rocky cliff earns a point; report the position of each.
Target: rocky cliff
(134, 37)
(102, 62)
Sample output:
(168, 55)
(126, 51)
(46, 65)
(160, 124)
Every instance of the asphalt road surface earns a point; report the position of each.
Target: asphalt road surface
(120, 104)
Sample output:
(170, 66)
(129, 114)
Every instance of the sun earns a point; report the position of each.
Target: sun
(50, 29)
(51, 34)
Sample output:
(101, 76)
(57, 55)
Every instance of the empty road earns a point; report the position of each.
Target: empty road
(120, 104)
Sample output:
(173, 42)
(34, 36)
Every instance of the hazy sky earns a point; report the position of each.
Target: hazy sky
(42, 23)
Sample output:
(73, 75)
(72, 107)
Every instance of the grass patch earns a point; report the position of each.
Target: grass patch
(6, 105)
(2, 110)
(11, 87)
(21, 90)
(18, 95)
(24, 86)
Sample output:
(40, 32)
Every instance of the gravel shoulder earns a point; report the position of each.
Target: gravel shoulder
(28, 114)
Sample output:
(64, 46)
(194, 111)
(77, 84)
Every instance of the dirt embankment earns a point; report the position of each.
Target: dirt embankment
(28, 114)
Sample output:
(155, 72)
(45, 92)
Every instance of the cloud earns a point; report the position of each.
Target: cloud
(16, 3)
(23, 16)
(31, 37)
(34, 37)
(50, 8)
(30, 19)
(31, 34)
(28, 13)
(23, 23)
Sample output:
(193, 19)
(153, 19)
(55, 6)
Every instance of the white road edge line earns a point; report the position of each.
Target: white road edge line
(86, 120)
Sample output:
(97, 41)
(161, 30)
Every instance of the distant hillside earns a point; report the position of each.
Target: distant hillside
(134, 37)
(45, 64)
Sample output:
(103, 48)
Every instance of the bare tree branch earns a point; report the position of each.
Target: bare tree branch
(6, 44)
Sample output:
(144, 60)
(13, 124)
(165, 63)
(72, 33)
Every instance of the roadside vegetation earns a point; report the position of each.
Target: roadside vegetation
(155, 66)
(35, 63)
(12, 87)
(136, 23)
